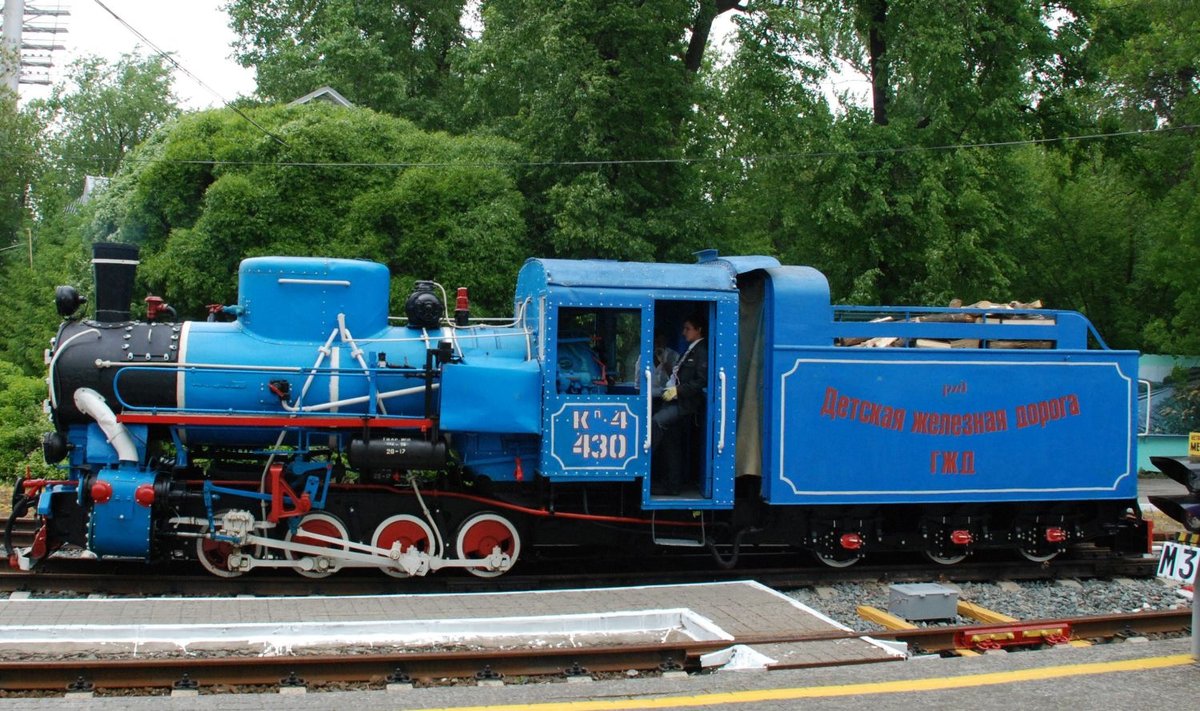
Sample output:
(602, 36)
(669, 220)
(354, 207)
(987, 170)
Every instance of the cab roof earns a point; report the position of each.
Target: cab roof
(714, 274)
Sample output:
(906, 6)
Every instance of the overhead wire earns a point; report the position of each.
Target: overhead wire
(751, 158)
(167, 56)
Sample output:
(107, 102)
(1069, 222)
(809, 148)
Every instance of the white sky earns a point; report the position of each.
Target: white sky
(195, 31)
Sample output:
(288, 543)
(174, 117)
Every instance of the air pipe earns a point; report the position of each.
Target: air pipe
(92, 404)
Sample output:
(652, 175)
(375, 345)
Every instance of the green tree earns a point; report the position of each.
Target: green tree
(212, 189)
(1152, 60)
(1084, 246)
(19, 140)
(22, 423)
(86, 127)
(388, 56)
(599, 96)
(868, 185)
(29, 319)
(93, 121)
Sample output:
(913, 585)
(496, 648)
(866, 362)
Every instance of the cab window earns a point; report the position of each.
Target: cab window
(599, 350)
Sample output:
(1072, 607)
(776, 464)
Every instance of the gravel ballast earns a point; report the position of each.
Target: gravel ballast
(1031, 601)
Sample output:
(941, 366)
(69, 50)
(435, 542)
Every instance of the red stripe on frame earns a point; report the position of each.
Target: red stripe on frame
(139, 418)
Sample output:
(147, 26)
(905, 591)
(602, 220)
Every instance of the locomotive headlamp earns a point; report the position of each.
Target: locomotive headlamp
(54, 447)
(67, 300)
(423, 308)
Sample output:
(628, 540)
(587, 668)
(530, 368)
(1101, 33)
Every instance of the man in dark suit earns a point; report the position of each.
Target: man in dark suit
(683, 399)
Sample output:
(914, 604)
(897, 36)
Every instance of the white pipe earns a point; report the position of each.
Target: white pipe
(53, 361)
(318, 282)
(92, 404)
(437, 533)
(1149, 403)
(358, 355)
(445, 303)
(321, 353)
(183, 367)
(721, 437)
(649, 409)
(513, 333)
(364, 398)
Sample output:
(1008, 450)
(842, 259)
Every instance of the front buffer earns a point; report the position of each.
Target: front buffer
(1184, 508)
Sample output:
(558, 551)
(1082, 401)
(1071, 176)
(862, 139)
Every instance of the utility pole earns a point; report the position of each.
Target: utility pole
(22, 18)
(10, 60)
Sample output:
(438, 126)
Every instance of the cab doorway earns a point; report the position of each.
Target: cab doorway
(681, 387)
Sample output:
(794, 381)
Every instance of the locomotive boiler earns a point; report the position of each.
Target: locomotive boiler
(303, 427)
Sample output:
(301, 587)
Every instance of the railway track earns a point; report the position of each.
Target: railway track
(776, 571)
(781, 570)
(424, 667)
(125, 673)
(376, 668)
(1093, 627)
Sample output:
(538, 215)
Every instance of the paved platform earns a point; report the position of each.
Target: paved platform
(731, 611)
(1159, 486)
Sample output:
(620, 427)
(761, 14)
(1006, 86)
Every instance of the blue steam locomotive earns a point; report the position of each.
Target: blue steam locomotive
(304, 428)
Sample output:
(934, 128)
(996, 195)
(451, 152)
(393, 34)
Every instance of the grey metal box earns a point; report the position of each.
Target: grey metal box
(922, 601)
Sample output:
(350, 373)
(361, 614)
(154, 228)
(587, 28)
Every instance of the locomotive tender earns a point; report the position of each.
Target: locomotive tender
(302, 428)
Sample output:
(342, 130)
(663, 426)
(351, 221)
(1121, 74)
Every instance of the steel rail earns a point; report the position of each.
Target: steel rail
(125, 673)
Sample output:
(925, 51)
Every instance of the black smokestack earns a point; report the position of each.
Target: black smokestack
(114, 266)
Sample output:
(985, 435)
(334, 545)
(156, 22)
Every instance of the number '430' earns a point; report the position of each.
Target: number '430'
(600, 446)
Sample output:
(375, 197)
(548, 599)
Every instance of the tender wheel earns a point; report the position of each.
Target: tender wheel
(409, 531)
(945, 559)
(1035, 555)
(481, 534)
(322, 524)
(214, 555)
(837, 561)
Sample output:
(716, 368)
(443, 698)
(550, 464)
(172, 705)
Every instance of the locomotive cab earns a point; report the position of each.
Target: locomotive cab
(596, 327)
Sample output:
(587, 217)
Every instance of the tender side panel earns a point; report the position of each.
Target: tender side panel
(867, 425)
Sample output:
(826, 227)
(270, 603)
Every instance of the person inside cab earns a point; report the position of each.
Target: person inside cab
(665, 359)
(683, 399)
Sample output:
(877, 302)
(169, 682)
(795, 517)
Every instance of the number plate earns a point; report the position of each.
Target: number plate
(1179, 562)
(595, 436)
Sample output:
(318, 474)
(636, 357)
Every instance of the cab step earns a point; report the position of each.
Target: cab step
(676, 541)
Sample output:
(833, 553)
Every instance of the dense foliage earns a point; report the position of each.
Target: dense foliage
(913, 150)
(93, 123)
(18, 153)
(22, 422)
(392, 57)
(424, 204)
